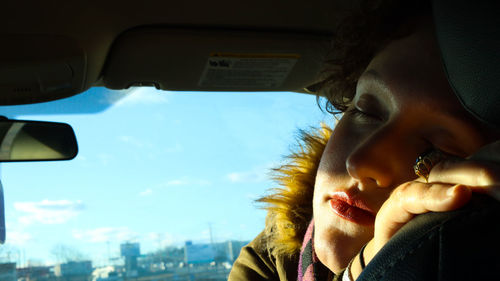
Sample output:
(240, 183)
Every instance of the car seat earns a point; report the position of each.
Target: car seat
(462, 244)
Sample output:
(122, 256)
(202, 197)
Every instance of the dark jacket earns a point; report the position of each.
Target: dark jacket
(256, 262)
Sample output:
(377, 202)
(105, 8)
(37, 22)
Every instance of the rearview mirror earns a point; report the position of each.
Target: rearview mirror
(36, 141)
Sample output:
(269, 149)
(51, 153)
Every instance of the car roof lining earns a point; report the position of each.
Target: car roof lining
(93, 27)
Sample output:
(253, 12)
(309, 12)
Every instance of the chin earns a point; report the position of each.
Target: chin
(338, 243)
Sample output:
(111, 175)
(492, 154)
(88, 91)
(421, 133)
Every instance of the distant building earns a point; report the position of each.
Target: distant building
(34, 273)
(218, 252)
(130, 251)
(198, 253)
(8, 271)
(74, 271)
(228, 251)
(107, 273)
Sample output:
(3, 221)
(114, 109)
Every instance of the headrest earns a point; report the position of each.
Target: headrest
(468, 34)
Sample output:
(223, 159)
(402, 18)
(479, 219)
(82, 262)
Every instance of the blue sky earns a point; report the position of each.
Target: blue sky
(156, 167)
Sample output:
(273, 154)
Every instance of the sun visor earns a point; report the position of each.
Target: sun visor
(183, 59)
(469, 37)
(37, 68)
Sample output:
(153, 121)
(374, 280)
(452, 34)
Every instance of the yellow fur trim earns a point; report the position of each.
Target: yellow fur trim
(290, 205)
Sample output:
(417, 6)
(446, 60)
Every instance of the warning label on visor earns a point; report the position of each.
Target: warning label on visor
(247, 71)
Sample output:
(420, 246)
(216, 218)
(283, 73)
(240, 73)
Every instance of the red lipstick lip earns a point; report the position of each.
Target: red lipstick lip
(351, 208)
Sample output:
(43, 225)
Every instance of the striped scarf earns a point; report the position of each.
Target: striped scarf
(310, 268)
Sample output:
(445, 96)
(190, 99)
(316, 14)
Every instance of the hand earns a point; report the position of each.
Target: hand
(480, 172)
(450, 185)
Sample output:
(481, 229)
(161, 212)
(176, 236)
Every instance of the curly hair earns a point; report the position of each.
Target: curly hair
(358, 38)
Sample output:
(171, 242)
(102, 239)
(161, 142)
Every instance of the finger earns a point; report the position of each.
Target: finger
(415, 198)
(480, 169)
(471, 172)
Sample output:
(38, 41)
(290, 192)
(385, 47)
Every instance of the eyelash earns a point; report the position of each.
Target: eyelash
(355, 112)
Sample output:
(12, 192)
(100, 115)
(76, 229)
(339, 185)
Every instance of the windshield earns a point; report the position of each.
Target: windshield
(163, 181)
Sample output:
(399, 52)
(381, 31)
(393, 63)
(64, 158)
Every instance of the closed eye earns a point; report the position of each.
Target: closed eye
(361, 115)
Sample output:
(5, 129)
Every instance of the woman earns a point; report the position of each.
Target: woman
(352, 189)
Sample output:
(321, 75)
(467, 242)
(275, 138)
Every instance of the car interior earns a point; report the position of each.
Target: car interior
(58, 49)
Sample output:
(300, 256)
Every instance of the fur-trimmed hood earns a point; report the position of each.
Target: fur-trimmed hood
(290, 205)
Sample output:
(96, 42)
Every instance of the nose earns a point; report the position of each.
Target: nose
(382, 160)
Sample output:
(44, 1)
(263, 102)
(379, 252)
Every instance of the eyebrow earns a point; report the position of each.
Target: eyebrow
(374, 76)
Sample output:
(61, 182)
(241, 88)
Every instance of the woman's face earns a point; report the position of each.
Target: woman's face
(403, 107)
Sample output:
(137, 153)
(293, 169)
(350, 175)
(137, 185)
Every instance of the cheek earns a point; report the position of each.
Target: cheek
(332, 170)
(341, 143)
(336, 240)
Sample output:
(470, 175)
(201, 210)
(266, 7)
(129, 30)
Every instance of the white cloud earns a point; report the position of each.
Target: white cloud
(243, 177)
(164, 239)
(205, 234)
(139, 95)
(104, 234)
(174, 149)
(48, 212)
(105, 158)
(17, 238)
(146, 192)
(202, 182)
(134, 141)
(258, 174)
(81, 158)
(176, 182)
(252, 196)
(186, 181)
